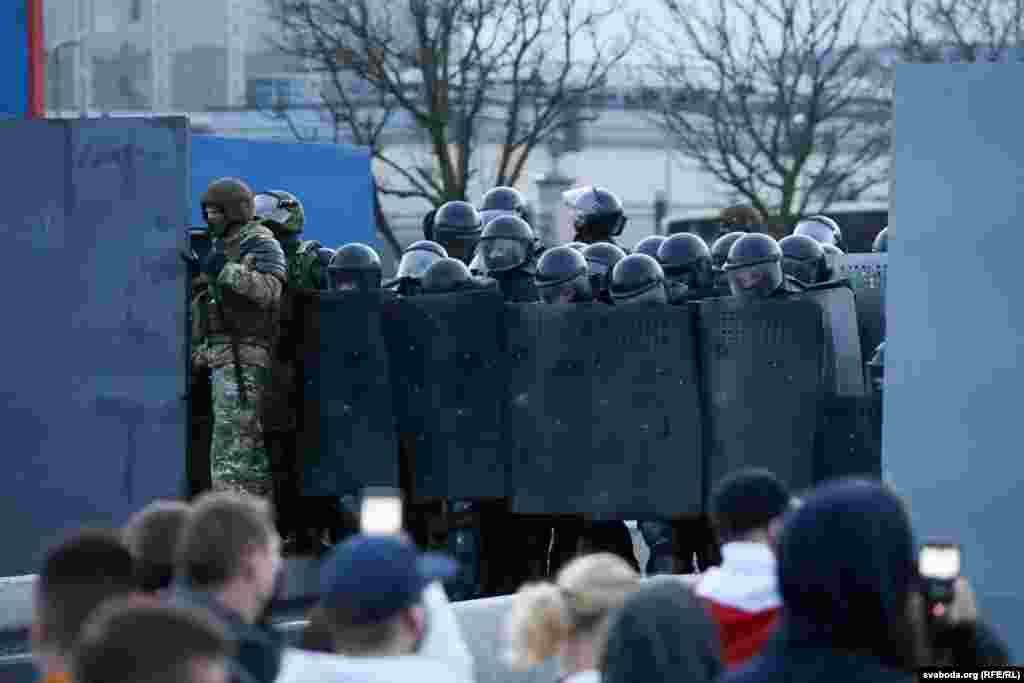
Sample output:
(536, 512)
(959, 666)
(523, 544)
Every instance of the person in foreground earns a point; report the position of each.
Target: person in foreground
(128, 642)
(386, 616)
(569, 618)
(847, 574)
(661, 634)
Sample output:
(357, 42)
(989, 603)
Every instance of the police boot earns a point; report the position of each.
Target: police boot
(464, 545)
(660, 539)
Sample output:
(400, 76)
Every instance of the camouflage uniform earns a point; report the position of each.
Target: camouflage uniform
(241, 308)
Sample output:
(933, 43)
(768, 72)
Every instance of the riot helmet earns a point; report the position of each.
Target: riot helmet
(876, 367)
(821, 229)
(803, 259)
(457, 226)
(227, 202)
(578, 246)
(686, 259)
(500, 201)
(638, 278)
(562, 277)
(601, 257)
(720, 254)
(833, 260)
(354, 267)
(418, 257)
(754, 267)
(649, 245)
(280, 211)
(506, 243)
(881, 243)
(447, 275)
(597, 213)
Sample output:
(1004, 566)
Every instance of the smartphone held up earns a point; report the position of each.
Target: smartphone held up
(381, 511)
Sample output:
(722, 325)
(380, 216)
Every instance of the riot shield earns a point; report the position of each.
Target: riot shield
(199, 398)
(763, 383)
(867, 274)
(603, 411)
(843, 369)
(347, 425)
(448, 355)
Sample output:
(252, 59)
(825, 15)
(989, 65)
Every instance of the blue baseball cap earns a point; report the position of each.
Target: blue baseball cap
(375, 577)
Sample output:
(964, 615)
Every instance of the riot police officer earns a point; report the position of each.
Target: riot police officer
(355, 267)
(598, 215)
(649, 245)
(821, 229)
(638, 279)
(563, 277)
(507, 247)
(881, 243)
(686, 260)
(804, 259)
(719, 255)
(300, 520)
(416, 259)
(457, 226)
(447, 276)
(501, 201)
(601, 259)
(754, 268)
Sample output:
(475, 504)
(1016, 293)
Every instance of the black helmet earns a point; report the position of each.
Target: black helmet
(578, 246)
(720, 249)
(506, 243)
(881, 243)
(354, 267)
(457, 220)
(418, 257)
(499, 201)
(821, 229)
(562, 276)
(638, 278)
(833, 259)
(686, 259)
(598, 213)
(601, 258)
(649, 245)
(447, 275)
(803, 259)
(754, 267)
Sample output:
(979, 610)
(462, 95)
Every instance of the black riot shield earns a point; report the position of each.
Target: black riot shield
(347, 425)
(763, 383)
(867, 274)
(603, 411)
(448, 354)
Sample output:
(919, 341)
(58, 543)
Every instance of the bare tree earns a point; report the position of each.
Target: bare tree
(449, 76)
(777, 100)
(957, 30)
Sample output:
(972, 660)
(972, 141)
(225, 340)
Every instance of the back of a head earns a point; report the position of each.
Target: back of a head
(221, 529)
(846, 569)
(78, 575)
(661, 633)
(446, 276)
(125, 642)
(577, 605)
(152, 535)
(746, 501)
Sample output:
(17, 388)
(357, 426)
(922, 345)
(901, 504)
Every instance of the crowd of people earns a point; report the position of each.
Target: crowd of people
(826, 587)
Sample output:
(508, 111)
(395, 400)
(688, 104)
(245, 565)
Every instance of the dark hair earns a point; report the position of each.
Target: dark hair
(746, 500)
(221, 528)
(79, 574)
(126, 641)
(351, 636)
(152, 535)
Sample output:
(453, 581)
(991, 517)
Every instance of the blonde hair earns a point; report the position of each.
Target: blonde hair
(545, 615)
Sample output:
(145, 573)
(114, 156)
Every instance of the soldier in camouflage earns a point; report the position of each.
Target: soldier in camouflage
(301, 522)
(235, 326)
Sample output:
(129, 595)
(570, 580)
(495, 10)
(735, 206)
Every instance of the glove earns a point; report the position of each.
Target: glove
(214, 263)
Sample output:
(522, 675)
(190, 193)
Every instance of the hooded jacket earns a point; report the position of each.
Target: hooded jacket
(661, 634)
(846, 569)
